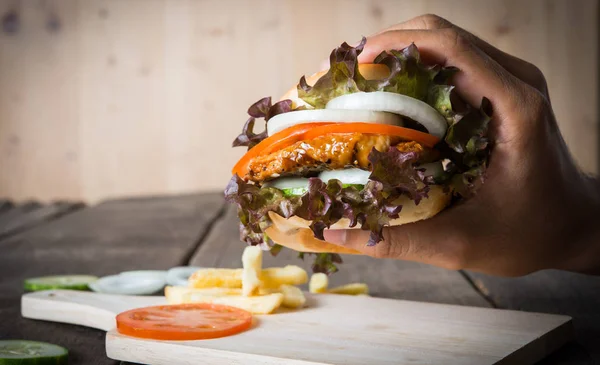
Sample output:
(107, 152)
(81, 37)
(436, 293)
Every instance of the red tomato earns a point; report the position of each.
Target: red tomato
(279, 140)
(184, 322)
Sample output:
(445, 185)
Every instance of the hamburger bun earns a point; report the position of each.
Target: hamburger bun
(294, 232)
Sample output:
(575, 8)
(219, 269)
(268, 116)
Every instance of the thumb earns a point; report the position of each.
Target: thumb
(440, 241)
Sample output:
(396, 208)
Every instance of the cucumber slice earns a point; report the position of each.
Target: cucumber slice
(294, 191)
(20, 352)
(73, 282)
(301, 191)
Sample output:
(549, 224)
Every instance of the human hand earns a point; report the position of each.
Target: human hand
(535, 210)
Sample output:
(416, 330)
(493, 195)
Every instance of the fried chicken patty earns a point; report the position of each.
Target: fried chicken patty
(334, 151)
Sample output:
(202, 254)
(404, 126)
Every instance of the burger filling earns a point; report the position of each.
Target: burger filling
(405, 135)
(329, 152)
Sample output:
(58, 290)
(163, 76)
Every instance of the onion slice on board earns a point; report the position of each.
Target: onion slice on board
(412, 108)
(178, 276)
(131, 283)
(286, 120)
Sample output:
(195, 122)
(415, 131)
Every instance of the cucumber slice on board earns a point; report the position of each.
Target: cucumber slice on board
(73, 282)
(21, 352)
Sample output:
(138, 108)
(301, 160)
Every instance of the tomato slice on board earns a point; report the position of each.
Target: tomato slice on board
(184, 322)
(279, 140)
(408, 134)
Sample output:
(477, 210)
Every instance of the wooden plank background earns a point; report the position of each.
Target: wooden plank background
(127, 97)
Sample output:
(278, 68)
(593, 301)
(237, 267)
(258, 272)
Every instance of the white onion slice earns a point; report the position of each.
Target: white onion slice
(178, 276)
(346, 176)
(286, 120)
(395, 103)
(131, 283)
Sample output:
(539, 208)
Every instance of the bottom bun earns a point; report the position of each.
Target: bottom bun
(294, 232)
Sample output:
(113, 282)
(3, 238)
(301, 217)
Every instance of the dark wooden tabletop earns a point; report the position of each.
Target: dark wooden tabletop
(162, 232)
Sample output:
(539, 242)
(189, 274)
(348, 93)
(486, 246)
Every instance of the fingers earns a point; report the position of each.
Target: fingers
(523, 70)
(439, 241)
(480, 75)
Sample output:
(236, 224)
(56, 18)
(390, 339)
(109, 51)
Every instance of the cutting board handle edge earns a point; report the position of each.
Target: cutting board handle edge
(59, 306)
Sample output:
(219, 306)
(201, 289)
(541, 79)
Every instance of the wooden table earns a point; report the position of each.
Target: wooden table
(162, 232)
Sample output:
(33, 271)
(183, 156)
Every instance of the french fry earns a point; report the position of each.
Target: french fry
(179, 294)
(293, 297)
(270, 278)
(260, 304)
(274, 277)
(350, 289)
(318, 283)
(252, 266)
(210, 278)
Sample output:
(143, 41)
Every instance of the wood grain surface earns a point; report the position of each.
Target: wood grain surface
(553, 291)
(129, 234)
(5, 205)
(110, 98)
(26, 216)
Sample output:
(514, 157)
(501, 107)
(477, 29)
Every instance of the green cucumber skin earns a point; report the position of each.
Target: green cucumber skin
(301, 191)
(38, 361)
(54, 282)
(57, 355)
(39, 287)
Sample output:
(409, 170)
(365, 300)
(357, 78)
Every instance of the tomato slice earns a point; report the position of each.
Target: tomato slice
(184, 322)
(279, 140)
(408, 134)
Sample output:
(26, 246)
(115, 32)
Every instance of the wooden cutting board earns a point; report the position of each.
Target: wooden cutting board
(333, 329)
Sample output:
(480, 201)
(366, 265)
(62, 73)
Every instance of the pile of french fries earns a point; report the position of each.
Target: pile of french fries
(252, 288)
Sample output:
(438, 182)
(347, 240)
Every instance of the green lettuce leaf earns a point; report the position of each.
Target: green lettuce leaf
(469, 149)
(342, 78)
(408, 76)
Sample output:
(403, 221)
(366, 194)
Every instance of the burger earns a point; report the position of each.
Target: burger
(360, 146)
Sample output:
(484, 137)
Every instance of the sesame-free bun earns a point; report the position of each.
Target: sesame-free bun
(294, 232)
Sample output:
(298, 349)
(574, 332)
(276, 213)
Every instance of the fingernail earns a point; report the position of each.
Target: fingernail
(336, 236)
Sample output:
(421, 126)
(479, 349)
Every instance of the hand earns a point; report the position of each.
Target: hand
(535, 210)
